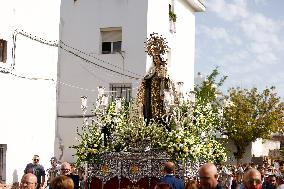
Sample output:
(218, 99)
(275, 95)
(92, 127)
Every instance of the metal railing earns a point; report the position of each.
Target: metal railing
(122, 90)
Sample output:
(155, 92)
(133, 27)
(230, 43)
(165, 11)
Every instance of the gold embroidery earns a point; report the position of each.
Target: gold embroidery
(105, 169)
(133, 187)
(134, 169)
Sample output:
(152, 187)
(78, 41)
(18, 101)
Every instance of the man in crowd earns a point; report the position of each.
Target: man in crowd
(280, 173)
(29, 181)
(252, 179)
(272, 181)
(66, 170)
(53, 171)
(36, 169)
(169, 178)
(208, 176)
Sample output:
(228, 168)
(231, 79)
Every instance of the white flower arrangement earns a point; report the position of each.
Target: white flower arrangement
(189, 134)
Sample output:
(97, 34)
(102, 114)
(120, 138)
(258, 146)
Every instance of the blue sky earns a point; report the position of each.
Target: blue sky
(245, 38)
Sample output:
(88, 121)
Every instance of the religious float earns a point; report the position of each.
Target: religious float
(126, 144)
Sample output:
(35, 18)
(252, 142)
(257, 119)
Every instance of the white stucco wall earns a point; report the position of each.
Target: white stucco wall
(231, 149)
(257, 148)
(261, 147)
(28, 106)
(183, 46)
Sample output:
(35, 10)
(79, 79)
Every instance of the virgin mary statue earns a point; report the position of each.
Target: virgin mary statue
(151, 93)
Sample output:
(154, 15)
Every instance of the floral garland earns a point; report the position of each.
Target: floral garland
(190, 134)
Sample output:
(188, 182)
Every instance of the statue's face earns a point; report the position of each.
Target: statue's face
(157, 60)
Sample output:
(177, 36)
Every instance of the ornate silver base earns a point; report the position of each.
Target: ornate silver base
(137, 165)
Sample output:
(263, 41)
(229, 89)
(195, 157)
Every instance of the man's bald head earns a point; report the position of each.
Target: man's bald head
(169, 167)
(208, 175)
(252, 177)
(209, 167)
(29, 180)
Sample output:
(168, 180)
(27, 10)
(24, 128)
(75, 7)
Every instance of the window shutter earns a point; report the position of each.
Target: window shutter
(111, 36)
(5, 52)
(1, 50)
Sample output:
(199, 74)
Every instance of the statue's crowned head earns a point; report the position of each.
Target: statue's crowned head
(156, 46)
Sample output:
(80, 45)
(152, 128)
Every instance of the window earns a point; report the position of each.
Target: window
(106, 47)
(3, 51)
(116, 46)
(122, 90)
(3, 148)
(111, 40)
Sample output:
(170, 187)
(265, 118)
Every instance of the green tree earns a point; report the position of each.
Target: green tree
(209, 91)
(250, 114)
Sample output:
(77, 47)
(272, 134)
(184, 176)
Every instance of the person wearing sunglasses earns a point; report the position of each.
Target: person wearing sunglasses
(252, 179)
(66, 170)
(36, 169)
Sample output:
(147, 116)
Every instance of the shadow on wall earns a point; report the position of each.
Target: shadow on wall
(59, 147)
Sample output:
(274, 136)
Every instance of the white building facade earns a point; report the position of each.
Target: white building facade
(28, 93)
(103, 45)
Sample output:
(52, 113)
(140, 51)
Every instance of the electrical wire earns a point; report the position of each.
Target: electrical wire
(80, 51)
(31, 78)
(66, 84)
(58, 45)
(91, 62)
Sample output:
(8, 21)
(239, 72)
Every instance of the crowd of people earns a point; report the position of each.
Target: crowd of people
(271, 175)
(59, 176)
(246, 176)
